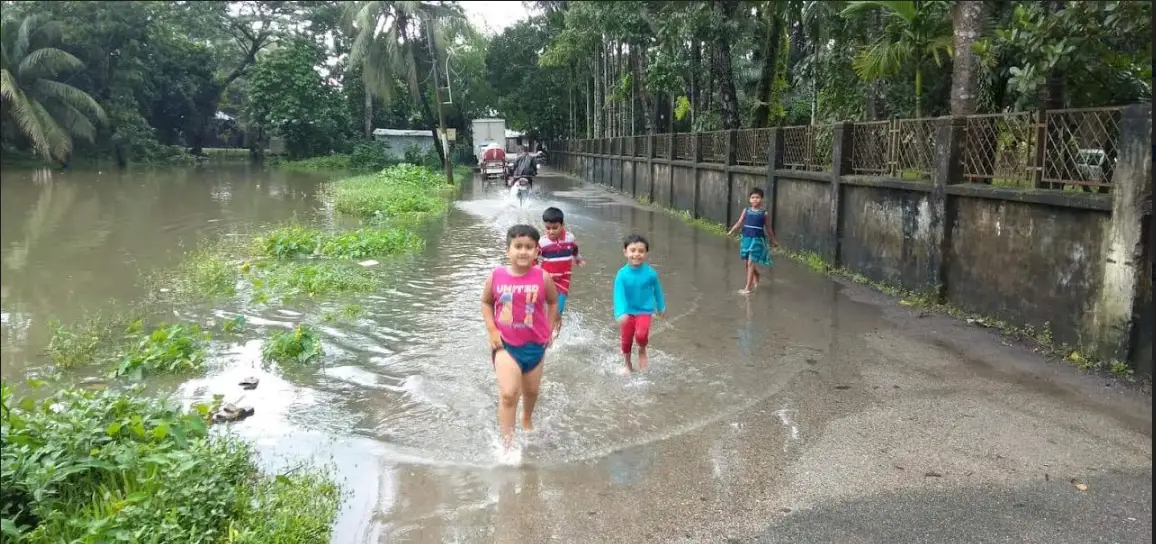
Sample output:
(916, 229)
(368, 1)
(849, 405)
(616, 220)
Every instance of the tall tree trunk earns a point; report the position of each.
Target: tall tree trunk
(599, 79)
(649, 107)
(874, 97)
(590, 92)
(695, 80)
(368, 113)
(633, 60)
(767, 77)
(711, 83)
(725, 9)
(966, 20)
(620, 105)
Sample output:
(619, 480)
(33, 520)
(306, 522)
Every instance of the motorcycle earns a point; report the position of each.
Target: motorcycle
(521, 188)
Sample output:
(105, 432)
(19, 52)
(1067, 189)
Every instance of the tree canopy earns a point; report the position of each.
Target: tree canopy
(152, 80)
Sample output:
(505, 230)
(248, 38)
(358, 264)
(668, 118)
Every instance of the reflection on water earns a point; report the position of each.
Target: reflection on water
(75, 241)
(404, 401)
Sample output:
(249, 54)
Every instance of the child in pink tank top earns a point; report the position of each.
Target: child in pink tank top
(520, 308)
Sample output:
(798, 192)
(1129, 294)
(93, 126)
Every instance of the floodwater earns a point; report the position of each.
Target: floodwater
(403, 404)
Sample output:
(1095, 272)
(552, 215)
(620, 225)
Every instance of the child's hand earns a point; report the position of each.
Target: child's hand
(774, 243)
(580, 262)
(621, 320)
(662, 315)
(495, 339)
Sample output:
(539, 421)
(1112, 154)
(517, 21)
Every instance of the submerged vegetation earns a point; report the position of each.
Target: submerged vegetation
(167, 348)
(282, 263)
(393, 193)
(85, 466)
(300, 345)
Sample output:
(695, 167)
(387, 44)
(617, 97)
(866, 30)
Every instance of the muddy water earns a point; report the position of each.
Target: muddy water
(403, 405)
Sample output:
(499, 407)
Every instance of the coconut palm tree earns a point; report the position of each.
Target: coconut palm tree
(914, 32)
(48, 112)
(391, 36)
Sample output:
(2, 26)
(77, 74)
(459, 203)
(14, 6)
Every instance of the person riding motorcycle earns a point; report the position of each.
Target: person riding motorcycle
(524, 166)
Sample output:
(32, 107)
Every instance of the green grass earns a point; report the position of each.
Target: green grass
(700, 223)
(1040, 336)
(207, 272)
(93, 467)
(327, 163)
(286, 280)
(295, 241)
(397, 191)
(80, 343)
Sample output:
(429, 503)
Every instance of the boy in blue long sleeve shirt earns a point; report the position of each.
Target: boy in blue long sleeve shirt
(637, 296)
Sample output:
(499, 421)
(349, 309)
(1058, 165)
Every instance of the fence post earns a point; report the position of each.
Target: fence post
(841, 165)
(1125, 266)
(616, 181)
(774, 162)
(671, 141)
(695, 158)
(650, 140)
(730, 155)
(949, 137)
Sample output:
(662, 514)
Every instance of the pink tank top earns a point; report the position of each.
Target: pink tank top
(520, 306)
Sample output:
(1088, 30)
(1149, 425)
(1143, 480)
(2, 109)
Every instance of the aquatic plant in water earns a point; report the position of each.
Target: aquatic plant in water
(289, 242)
(396, 191)
(299, 345)
(295, 241)
(321, 277)
(206, 272)
(85, 466)
(371, 242)
(78, 344)
(167, 348)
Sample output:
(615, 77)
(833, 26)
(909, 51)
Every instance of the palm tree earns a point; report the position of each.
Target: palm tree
(914, 32)
(48, 112)
(390, 38)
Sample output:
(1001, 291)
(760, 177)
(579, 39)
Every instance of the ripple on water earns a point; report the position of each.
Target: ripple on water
(414, 375)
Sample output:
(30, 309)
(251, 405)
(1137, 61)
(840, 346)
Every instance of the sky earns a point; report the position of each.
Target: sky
(494, 17)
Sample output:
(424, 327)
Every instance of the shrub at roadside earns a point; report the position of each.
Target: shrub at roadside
(84, 466)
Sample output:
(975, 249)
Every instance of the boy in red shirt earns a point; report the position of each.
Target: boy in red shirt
(558, 253)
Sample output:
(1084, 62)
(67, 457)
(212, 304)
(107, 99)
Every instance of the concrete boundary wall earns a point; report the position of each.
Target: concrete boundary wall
(1077, 262)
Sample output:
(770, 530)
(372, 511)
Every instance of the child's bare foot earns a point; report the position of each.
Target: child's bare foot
(629, 368)
(744, 291)
(642, 359)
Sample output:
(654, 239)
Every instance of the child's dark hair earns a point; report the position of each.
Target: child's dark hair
(635, 239)
(519, 231)
(756, 191)
(552, 215)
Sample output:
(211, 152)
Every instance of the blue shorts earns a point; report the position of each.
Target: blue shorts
(561, 303)
(528, 356)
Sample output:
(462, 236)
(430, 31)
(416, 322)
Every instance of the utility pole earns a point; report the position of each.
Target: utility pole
(443, 133)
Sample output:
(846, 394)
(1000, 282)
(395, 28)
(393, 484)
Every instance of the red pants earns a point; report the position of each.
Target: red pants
(635, 329)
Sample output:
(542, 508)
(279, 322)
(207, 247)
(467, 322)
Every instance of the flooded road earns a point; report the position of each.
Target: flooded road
(809, 412)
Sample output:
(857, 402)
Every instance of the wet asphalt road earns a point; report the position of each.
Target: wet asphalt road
(890, 425)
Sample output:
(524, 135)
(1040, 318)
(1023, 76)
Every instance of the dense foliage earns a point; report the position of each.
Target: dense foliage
(84, 466)
(156, 80)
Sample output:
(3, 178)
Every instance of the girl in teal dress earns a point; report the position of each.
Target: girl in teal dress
(757, 238)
